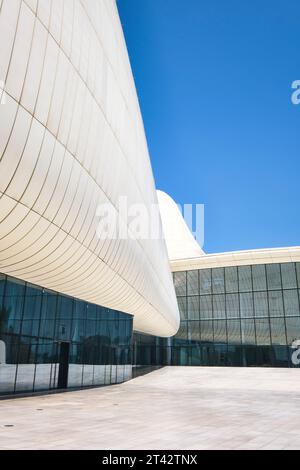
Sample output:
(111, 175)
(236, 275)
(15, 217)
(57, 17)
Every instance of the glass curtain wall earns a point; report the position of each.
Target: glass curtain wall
(148, 353)
(238, 316)
(50, 341)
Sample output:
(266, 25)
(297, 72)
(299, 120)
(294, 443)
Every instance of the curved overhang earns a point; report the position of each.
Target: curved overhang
(71, 139)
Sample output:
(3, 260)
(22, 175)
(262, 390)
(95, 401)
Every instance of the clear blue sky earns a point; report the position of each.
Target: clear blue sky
(214, 83)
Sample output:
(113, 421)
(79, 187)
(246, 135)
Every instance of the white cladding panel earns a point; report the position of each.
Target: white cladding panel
(71, 138)
(181, 243)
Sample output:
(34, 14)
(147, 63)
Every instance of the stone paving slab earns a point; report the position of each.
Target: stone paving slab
(172, 408)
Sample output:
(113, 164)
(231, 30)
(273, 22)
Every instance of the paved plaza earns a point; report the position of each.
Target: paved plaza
(172, 408)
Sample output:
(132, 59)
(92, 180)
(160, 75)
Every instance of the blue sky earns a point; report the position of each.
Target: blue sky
(214, 83)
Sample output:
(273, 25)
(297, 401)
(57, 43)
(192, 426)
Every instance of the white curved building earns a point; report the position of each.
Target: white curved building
(71, 138)
(181, 244)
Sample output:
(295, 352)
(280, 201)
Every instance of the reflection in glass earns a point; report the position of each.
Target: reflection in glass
(193, 282)
(35, 322)
(245, 279)
(205, 281)
(231, 279)
(288, 273)
(218, 281)
(274, 276)
(253, 324)
(259, 277)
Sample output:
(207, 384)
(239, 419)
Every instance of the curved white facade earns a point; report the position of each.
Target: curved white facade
(239, 258)
(71, 138)
(180, 242)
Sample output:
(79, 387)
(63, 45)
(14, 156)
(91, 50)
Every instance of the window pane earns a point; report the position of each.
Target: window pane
(276, 304)
(291, 303)
(288, 273)
(278, 331)
(219, 306)
(182, 332)
(13, 305)
(298, 273)
(192, 282)
(205, 307)
(246, 304)
(10, 343)
(231, 279)
(182, 304)
(2, 286)
(261, 306)
(245, 281)
(234, 331)
(194, 331)
(232, 306)
(259, 277)
(248, 331)
(193, 307)
(220, 331)
(48, 315)
(79, 320)
(25, 377)
(206, 328)
(11, 312)
(44, 359)
(218, 282)
(273, 276)
(32, 311)
(180, 283)
(263, 334)
(292, 329)
(205, 281)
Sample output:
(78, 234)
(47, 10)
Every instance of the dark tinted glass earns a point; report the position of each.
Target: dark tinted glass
(37, 324)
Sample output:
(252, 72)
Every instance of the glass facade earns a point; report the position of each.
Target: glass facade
(235, 316)
(148, 353)
(238, 316)
(50, 341)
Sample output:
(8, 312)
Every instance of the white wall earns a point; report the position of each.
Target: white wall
(71, 137)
